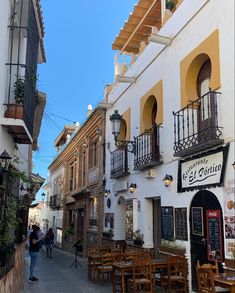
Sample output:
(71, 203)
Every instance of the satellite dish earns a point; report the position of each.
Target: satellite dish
(68, 136)
(77, 124)
(89, 107)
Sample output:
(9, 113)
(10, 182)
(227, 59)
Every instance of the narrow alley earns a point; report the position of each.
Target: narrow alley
(57, 276)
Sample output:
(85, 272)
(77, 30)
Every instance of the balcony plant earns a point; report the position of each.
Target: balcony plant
(138, 238)
(16, 110)
(170, 4)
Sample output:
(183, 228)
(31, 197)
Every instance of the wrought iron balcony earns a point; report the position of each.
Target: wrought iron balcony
(147, 149)
(196, 126)
(119, 163)
(21, 99)
(55, 201)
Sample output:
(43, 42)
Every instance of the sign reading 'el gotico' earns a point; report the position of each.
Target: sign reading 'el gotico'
(204, 171)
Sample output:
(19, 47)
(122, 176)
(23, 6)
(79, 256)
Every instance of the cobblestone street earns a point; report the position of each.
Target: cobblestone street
(56, 276)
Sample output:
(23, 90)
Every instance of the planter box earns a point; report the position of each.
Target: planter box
(138, 242)
(15, 111)
(172, 250)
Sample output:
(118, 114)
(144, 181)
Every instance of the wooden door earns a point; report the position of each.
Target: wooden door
(206, 106)
(156, 224)
(202, 202)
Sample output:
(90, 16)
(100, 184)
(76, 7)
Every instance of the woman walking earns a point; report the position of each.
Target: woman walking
(49, 240)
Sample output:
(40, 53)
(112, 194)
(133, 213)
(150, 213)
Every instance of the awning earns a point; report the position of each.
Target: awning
(138, 27)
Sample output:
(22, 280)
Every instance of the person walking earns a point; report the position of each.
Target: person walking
(34, 242)
(49, 241)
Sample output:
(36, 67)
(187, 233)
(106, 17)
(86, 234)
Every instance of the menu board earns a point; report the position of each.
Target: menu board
(181, 231)
(214, 246)
(197, 221)
(167, 222)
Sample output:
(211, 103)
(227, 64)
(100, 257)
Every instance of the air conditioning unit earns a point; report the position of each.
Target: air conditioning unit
(150, 174)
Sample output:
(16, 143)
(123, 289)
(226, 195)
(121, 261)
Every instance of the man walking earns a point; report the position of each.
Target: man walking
(34, 245)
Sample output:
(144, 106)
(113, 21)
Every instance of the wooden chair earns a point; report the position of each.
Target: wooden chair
(213, 270)
(131, 255)
(105, 268)
(205, 280)
(117, 276)
(141, 280)
(93, 262)
(176, 279)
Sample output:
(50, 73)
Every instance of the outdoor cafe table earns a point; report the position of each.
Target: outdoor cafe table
(126, 267)
(225, 280)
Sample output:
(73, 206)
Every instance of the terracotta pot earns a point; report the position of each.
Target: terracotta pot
(15, 111)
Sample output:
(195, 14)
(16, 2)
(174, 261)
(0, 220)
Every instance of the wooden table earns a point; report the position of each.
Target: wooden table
(122, 268)
(226, 280)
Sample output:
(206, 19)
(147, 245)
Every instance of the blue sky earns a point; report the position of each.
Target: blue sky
(80, 61)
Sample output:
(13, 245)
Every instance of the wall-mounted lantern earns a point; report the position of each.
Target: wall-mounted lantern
(167, 180)
(132, 187)
(107, 192)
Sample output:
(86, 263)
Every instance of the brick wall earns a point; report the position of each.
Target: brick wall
(12, 282)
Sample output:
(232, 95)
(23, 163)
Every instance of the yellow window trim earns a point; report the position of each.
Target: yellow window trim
(191, 64)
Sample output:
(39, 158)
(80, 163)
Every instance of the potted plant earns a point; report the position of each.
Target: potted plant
(138, 238)
(170, 4)
(108, 233)
(16, 110)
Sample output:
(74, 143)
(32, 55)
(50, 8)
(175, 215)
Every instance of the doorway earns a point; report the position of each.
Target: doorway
(202, 230)
(206, 108)
(156, 225)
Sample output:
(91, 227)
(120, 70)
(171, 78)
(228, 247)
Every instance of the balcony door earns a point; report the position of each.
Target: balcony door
(206, 110)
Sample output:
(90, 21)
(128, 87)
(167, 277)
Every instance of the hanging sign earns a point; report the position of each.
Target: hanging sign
(203, 171)
(214, 237)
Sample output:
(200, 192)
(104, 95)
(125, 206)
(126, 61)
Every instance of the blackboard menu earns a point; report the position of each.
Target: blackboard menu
(167, 222)
(197, 221)
(214, 247)
(181, 231)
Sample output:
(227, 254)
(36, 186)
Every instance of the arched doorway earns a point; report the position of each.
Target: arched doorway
(206, 231)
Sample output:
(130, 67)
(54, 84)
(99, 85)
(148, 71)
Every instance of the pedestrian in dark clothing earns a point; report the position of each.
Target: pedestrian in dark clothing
(49, 241)
(33, 251)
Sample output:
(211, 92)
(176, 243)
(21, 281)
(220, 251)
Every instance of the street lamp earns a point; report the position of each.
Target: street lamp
(116, 120)
(5, 160)
(43, 196)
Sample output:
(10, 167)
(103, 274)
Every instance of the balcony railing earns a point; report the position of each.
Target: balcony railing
(196, 126)
(118, 163)
(22, 68)
(55, 201)
(147, 149)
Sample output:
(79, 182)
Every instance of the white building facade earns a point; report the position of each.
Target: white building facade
(177, 112)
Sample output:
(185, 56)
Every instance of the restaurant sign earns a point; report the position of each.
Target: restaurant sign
(204, 171)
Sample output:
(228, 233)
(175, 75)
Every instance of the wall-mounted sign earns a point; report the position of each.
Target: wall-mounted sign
(203, 171)
(214, 237)
(197, 221)
(181, 231)
(167, 221)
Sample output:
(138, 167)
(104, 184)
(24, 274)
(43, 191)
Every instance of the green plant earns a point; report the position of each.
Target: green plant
(172, 244)
(108, 233)
(170, 4)
(68, 231)
(19, 89)
(138, 236)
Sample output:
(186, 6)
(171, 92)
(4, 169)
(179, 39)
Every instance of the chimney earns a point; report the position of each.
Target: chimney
(89, 110)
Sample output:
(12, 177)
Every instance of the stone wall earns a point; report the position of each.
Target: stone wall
(12, 282)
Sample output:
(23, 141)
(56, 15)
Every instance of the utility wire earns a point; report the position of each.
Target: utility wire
(52, 121)
(59, 117)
